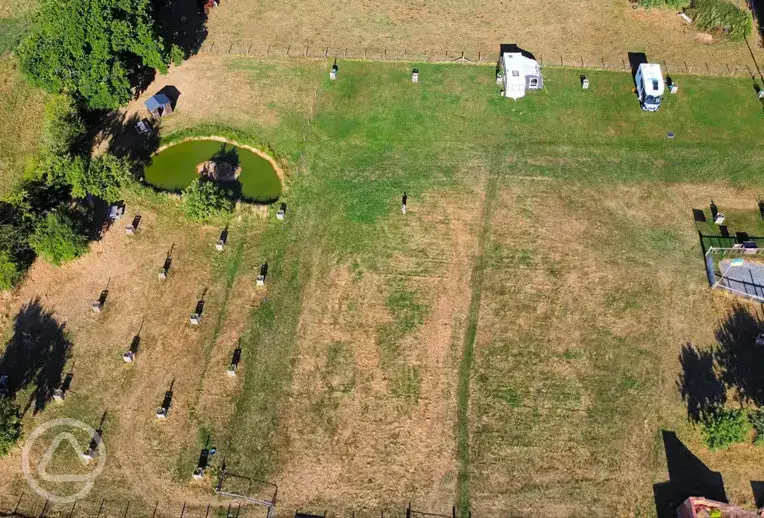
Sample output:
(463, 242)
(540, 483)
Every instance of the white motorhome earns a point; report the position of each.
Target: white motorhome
(650, 86)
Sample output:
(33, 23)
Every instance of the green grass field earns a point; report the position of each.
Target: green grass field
(509, 345)
(550, 388)
(21, 125)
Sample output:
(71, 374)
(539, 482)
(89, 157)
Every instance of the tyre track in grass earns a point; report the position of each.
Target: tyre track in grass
(468, 349)
(230, 270)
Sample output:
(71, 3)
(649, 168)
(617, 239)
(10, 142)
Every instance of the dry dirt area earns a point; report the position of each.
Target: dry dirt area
(592, 29)
(589, 296)
(231, 92)
(145, 455)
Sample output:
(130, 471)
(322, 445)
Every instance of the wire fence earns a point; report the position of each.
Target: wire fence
(477, 57)
(32, 506)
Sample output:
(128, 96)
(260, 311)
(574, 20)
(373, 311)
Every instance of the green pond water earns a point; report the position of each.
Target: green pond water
(175, 168)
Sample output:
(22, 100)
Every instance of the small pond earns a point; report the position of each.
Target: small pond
(177, 166)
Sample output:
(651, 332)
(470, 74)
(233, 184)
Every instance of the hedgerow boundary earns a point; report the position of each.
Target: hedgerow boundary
(474, 56)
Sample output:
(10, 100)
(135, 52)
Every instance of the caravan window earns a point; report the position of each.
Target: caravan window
(534, 82)
(515, 73)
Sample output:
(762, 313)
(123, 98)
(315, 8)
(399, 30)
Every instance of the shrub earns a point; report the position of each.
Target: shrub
(59, 238)
(105, 177)
(719, 14)
(9, 271)
(725, 427)
(203, 200)
(10, 424)
(756, 417)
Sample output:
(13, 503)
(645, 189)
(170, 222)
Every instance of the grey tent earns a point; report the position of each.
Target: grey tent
(159, 105)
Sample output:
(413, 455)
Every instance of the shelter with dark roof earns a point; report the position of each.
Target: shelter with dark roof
(159, 105)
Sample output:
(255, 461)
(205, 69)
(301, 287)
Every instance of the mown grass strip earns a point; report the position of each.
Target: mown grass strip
(233, 264)
(465, 365)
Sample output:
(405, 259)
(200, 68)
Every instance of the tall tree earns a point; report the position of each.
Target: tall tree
(93, 48)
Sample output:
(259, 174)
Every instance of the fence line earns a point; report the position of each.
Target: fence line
(29, 505)
(477, 57)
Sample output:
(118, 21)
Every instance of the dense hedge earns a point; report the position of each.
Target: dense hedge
(718, 14)
(709, 15)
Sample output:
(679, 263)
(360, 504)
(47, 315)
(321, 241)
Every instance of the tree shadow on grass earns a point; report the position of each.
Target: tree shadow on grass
(183, 23)
(739, 357)
(127, 141)
(36, 354)
(688, 476)
(732, 364)
(699, 384)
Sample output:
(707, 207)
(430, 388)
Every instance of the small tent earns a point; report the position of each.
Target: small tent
(519, 71)
(159, 105)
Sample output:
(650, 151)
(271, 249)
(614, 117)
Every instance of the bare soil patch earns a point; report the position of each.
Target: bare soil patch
(590, 29)
(147, 457)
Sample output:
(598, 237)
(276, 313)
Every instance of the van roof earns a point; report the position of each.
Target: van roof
(652, 78)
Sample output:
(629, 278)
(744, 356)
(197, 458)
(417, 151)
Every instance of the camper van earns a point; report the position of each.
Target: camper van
(650, 85)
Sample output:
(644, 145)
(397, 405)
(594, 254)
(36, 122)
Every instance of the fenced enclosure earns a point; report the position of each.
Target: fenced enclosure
(735, 264)
(737, 270)
(474, 56)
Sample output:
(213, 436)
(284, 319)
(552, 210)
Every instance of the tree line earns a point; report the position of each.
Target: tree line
(92, 56)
